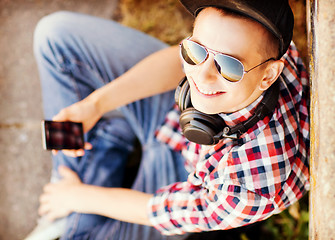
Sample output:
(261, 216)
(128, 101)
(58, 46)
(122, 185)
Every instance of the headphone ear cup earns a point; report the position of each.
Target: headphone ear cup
(199, 127)
(182, 95)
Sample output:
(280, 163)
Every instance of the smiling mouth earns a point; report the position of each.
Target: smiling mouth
(206, 92)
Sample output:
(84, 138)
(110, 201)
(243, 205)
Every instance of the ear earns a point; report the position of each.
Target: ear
(271, 74)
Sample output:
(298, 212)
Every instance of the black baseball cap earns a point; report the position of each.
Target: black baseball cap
(274, 15)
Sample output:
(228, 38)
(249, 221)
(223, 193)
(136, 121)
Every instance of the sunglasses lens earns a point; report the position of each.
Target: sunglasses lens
(230, 68)
(192, 52)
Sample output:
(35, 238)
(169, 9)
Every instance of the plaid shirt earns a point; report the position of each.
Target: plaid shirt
(238, 182)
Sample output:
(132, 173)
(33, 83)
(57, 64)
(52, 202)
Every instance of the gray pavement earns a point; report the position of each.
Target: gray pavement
(24, 166)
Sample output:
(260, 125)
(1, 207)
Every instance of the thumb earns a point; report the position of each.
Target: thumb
(61, 116)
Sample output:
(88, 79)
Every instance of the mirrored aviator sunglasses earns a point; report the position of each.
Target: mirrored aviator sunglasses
(228, 67)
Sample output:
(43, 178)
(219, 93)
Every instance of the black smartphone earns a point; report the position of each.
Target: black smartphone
(62, 135)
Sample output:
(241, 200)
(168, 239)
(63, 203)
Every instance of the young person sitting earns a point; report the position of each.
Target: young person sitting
(240, 127)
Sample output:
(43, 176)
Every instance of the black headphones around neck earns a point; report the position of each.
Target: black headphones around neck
(209, 129)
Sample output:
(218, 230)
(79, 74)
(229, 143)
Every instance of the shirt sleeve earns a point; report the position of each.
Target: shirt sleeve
(170, 132)
(183, 207)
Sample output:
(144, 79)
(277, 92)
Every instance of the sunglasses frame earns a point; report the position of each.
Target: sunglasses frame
(214, 52)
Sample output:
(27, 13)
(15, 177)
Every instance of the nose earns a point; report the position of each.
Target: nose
(207, 70)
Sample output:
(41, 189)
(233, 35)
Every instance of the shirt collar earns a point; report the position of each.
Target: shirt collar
(242, 115)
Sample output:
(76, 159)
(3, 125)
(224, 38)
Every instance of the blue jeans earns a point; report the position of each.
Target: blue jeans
(77, 54)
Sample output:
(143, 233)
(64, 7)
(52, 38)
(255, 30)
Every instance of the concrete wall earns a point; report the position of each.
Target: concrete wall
(322, 66)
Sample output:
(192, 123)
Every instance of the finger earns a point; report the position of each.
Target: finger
(71, 153)
(74, 153)
(80, 152)
(88, 146)
(50, 217)
(61, 116)
(54, 152)
(43, 209)
(48, 188)
(44, 198)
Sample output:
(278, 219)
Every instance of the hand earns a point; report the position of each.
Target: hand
(59, 199)
(83, 111)
(75, 152)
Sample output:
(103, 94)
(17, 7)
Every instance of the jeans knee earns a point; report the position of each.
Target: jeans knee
(52, 28)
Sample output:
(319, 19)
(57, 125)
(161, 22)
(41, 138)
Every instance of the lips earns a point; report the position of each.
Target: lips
(207, 93)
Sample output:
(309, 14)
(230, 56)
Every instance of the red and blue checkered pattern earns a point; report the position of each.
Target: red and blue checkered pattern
(238, 182)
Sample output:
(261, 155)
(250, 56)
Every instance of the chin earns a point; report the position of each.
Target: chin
(211, 108)
(206, 109)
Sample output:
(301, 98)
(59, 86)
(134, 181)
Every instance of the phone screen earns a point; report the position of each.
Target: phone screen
(62, 135)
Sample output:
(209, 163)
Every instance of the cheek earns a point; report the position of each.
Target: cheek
(241, 89)
(188, 69)
(246, 92)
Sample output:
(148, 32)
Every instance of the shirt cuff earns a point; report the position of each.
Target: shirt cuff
(162, 222)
